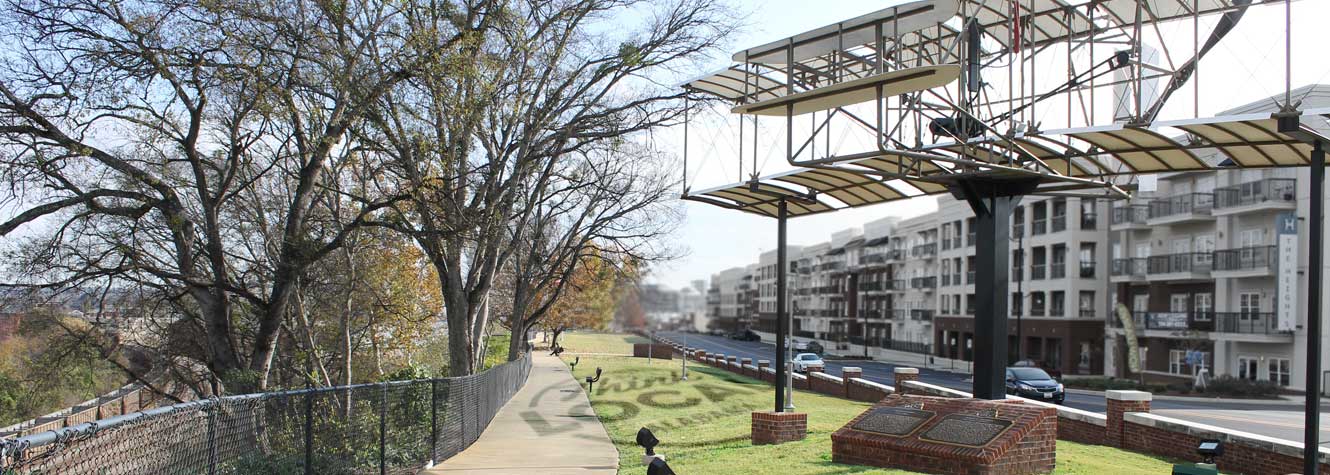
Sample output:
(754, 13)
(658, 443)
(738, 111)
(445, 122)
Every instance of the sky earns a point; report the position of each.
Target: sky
(1247, 66)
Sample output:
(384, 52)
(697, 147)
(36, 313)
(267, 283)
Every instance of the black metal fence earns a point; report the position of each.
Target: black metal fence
(384, 428)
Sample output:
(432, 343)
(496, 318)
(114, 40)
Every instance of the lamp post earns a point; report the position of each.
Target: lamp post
(685, 356)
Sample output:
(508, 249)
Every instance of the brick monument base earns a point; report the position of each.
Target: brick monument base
(950, 436)
(771, 427)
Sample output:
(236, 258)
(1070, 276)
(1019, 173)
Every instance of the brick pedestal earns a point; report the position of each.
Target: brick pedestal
(846, 374)
(1120, 403)
(903, 375)
(1027, 446)
(778, 427)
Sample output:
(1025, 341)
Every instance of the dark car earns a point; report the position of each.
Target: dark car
(1041, 364)
(1034, 383)
(813, 347)
(745, 335)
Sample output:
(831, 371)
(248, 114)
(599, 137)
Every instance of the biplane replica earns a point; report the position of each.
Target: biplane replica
(991, 100)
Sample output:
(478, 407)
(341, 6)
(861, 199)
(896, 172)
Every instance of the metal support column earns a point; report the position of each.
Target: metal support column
(1312, 424)
(992, 202)
(782, 333)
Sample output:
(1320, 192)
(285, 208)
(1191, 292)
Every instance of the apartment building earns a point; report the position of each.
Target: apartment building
(1212, 264)
(730, 300)
(908, 285)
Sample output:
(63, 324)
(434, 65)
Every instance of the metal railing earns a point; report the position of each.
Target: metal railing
(392, 427)
(1038, 271)
(1057, 270)
(1038, 227)
(924, 250)
(1059, 223)
(1129, 267)
(907, 346)
(1182, 262)
(923, 283)
(1088, 269)
(1089, 222)
(1246, 258)
(1250, 323)
(1257, 192)
(1135, 214)
(1187, 203)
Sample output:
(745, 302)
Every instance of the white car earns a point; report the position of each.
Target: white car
(807, 362)
(796, 345)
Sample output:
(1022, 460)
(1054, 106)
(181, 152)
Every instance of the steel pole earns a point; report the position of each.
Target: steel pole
(781, 332)
(1311, 437)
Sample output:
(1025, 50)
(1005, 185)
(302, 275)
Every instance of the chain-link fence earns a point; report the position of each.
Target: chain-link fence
(394, 427)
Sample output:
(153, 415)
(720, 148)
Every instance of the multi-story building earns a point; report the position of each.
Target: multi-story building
(729, 300)
(1197, 262)
(764, 280)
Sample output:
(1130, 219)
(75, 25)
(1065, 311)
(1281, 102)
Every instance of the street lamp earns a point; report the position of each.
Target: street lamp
(685, 356)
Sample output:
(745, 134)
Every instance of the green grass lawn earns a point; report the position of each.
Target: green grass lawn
(590, 342)
(704, 424)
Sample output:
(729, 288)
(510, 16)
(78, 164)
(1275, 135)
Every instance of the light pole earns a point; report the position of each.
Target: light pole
(685, 355)
(1020, 292)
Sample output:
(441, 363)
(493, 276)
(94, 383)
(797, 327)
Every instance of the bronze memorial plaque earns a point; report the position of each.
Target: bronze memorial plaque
(966, 430)
(893, 421)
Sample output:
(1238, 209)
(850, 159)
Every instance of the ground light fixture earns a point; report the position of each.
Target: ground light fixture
(576, 360)
(1208, 449)
(655, 463)
(590, 381)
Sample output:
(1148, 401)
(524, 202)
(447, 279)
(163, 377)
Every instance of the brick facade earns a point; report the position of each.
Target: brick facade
(1028, 447)
(778, 427)
(902, 375)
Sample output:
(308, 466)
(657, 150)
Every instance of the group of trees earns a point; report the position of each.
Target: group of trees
(286, 183)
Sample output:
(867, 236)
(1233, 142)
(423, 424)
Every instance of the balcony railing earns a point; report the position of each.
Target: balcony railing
(1257, 192)
(946, 279)
(1086, 312)
(923, 283)
(1135, 214)
(969, 277)
(1183, 262)
(870, 286)
(1017, 229)
(1089, 221)
(1246, 258)
(1017, 274)
(1129, 267)
(1038, 271)
(1254, 323)
(921, 314)
(1088, 269)
(1059, 223)
(970, 238)
(1189, 203)
(924, 250)
(1057, 270)
(1038, 227)
(956, 242)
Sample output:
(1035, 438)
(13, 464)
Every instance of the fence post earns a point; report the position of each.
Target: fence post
(383, 429)
(309, 431)
(212, 437)
(433, 421)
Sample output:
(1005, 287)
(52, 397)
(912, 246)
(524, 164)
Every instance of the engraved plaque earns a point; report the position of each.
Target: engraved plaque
(893, 421)
(966, 430)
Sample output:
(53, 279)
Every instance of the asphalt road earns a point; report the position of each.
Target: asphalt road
(1283, 421)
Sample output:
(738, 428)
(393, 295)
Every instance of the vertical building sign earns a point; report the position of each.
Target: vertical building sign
(1286, 228)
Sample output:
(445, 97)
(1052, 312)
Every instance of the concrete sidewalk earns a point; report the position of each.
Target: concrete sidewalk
(548, 427)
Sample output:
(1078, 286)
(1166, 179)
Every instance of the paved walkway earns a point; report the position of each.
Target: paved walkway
(548, 428)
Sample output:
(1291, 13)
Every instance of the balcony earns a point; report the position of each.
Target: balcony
(1264, 195)
(1017, 274)
(1058, 270)
(1183, 208)
(1241, 323)
(927, 250)
(921, 314)
(1038, 272)
(969, 277)
(1038, 227)
(1018, 230)
(1129, 217)
(1088, 269)
(1059, 223)
(970, 238)
(829, 266)
(956, 242)
(1258, 261)
(1132, 269)
(1183, 266)
(1089, 222)
(925, 283)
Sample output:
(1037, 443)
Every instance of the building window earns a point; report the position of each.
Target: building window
(946, 272)
(1039, 223)
(969, 269)
(946, 305)
(1086, 303)
(1177, 362)
(969, 304)
(1057, 303)
(1203, 306)
(1087, 260)
(1016, 303)
(1059, 215)
(1018, 222)
(1247, 368)
(1018, 265)
(1249, 304)
(1039, 266)
(1058, 269)
(946, 236)
(1036, 304)
(1089, 220)
(1178, 303)
(1279, 370)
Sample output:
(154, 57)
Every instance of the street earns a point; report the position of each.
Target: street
(1271, 419)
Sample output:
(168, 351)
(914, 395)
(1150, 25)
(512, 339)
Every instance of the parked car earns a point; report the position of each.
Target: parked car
(798, 345)
(1041, 364)
(806, 362)
(1034, 383)
(813, 347)
(745, 335)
